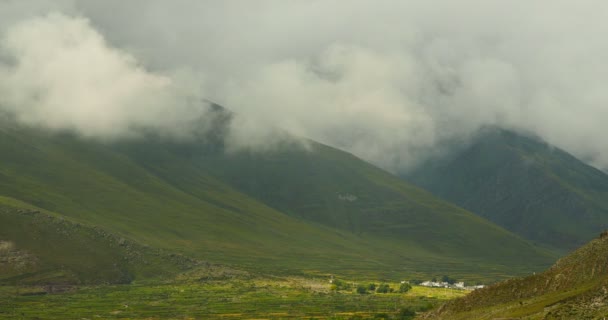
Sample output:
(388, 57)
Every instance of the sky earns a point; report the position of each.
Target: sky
(391, 81)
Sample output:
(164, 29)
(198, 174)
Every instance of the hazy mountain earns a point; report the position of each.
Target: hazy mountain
(574, 288)
(523, 184)
(313, 210)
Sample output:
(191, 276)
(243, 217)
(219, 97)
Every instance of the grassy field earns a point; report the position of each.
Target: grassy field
(263, 298)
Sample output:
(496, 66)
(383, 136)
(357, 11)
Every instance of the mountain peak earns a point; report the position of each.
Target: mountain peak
(523, 184)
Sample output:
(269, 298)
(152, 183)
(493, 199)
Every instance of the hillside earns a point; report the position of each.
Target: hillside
(524, 185)
(576, 287)
(284, 211)
(45, 248)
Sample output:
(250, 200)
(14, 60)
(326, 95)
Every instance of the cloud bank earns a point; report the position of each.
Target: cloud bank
(387, 80)
(61, 74)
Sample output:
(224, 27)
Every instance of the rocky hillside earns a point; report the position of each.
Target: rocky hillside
(576, 287)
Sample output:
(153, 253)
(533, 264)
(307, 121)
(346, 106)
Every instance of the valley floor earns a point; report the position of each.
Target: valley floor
(285, 298)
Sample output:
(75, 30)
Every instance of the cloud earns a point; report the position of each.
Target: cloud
(388, 80)
(349, 97)
(60, 73)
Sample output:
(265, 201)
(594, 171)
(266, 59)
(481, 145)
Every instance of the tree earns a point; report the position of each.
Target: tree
(341, 285)
(405, 287)
(361, 289)
(383, 288)
(371, 287)
(406, 314)
(448, 279)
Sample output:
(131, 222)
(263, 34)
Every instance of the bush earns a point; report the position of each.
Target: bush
(371, 287)
(405, 287)
(361, 289)
(406, 314)
(448, 279)
(341, 285)
(383, 288)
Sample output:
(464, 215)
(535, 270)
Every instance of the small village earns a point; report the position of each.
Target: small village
(455, 285)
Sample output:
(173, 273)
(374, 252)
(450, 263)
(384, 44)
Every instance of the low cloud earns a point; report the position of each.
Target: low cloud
(59, 73)
(388, 80)
(348, 97)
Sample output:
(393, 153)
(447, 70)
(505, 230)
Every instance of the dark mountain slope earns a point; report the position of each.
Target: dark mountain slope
(93, 185)
(576, 287)
(186, 197)
(535, 190)
(329, 187)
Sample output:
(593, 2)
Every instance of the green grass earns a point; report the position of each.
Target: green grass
(48, 248)
(262, 298)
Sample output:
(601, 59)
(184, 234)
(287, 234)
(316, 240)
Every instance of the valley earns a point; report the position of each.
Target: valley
(183, 199)
(236, 298)
(329, 160)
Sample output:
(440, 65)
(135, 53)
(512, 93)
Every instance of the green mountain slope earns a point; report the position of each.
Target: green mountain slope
(45, 248)
(194, 199)
(535, 190)
(574, 288)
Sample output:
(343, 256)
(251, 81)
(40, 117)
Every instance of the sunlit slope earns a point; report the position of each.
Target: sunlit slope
(574, 288)
(94, 185)
(41, 247)
(169, 195)
(535, 190)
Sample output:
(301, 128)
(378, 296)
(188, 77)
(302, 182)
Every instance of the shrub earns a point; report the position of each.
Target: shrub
(361, 289)
(383, 288)
(406, 314)
(448, 279)
(405, 287)
(371, 287)
(342, 285)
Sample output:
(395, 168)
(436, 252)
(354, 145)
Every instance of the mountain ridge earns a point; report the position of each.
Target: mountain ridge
(527, 186)
(179, 197)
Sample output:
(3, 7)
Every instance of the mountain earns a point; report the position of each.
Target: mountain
(41, 247)
(315, 210)
(523, 184)
(576, 287)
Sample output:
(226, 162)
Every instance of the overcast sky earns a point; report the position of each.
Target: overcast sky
(389, 80)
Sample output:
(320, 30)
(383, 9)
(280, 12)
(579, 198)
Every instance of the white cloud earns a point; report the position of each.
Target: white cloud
(388, 80)
(60, 73)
